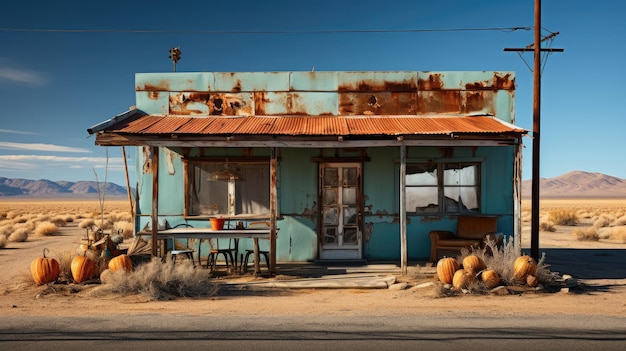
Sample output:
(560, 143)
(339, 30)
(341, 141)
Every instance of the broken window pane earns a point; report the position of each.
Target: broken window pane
(350, 176)
(330, 196)
(330, 236)
(331, 216)
(349, 216)
(331, 177)
(350, 236)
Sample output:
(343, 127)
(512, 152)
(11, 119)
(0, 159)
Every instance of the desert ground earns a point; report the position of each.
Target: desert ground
(600, 224)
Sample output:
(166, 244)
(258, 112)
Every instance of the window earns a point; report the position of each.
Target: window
(443, 187)
(248, 195)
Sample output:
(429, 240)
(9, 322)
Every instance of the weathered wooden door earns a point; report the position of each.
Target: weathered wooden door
(340, 236)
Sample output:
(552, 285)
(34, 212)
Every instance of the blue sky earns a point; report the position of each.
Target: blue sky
(54, 85)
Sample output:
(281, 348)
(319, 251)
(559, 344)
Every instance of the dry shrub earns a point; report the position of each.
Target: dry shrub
(603, 221)
(46, 229)
(503, 261)
(59, 221)
(19, 235)
(563, 217)
(587, 234)
(65, 265)
(161, 281)
(6, 230)
(547, 227)
(3, 241)
(20, 219)
(11, 215)
(125, 229)
(619, 234)
(87, 223)
(620, 221)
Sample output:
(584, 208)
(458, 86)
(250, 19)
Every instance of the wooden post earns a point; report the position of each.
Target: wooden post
(130, 197)
(273, 209)
(155, 198)
(534, 230)
(403, 243)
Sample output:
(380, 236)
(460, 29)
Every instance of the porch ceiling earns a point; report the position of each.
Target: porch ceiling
(141, 129)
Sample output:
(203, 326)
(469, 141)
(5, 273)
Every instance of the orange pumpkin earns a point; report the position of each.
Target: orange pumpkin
(446, 268)
(490, 278)
(82, 269)
(473, 263)
(44, 270)
(523, 266)
(121, 262)
(462, 279)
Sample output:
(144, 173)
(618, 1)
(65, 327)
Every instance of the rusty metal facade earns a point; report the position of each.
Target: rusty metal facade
(327, 93)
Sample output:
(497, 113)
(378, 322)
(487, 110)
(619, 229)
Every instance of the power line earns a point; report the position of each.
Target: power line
(261, 32)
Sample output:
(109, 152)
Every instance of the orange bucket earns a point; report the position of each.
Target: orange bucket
(217, 223)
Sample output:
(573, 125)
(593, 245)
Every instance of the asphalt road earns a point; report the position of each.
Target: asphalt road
(431, 332)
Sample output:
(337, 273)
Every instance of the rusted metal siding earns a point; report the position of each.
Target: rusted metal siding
(327, 93)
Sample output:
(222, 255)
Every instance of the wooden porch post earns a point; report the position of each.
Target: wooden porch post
(403, 243)
(273, 210)
(155, 198)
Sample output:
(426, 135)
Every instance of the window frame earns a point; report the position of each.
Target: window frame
(440, 167)
(189, 174)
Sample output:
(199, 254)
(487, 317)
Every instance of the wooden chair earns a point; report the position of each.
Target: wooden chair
(262, 253)
(185, 251)
(228, 253)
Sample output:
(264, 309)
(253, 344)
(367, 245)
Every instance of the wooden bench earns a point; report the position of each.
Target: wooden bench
(471, 231)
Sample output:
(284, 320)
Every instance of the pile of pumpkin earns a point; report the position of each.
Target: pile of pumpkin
(473, 269)
(46, 270)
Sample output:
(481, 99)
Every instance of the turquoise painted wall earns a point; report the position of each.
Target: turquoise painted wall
(297, 182)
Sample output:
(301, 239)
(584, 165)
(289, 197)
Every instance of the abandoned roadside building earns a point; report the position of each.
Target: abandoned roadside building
(340, 165)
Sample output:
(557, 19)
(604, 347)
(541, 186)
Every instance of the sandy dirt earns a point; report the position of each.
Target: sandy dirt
(20, 296)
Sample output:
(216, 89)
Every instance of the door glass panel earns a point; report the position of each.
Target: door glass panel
(331, 177)
(330, 236)
(349, 176)
(330, 196)
(330, 216)
(349, 196)
(349, 216)
(350, 236)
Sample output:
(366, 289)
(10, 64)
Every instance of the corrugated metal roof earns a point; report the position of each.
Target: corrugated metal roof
(312, 125)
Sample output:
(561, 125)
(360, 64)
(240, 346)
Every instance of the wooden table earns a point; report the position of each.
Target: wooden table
(208, 233)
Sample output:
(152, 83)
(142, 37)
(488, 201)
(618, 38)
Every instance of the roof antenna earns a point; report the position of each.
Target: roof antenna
(175, 56)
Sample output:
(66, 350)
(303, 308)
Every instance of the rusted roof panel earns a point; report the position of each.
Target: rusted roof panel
(313, 125)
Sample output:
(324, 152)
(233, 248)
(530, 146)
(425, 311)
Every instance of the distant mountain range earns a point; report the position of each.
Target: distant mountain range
(575, 184)
(578, 184)
(48, 188)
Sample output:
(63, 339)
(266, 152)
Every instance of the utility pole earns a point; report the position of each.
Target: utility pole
(536, 48)
(175, 56)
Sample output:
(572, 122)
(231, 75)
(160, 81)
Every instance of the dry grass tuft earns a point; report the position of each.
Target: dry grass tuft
(125, 229)
(503, 261)
(621, 220)
(161, 281)
(604, 220)
(619, 234)
(19, 235)
(563, 217)
(588, 234)
(547, 227)
(59, 221)
(3, 241)
(6, 230)
(47, 229)
(87, 223)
